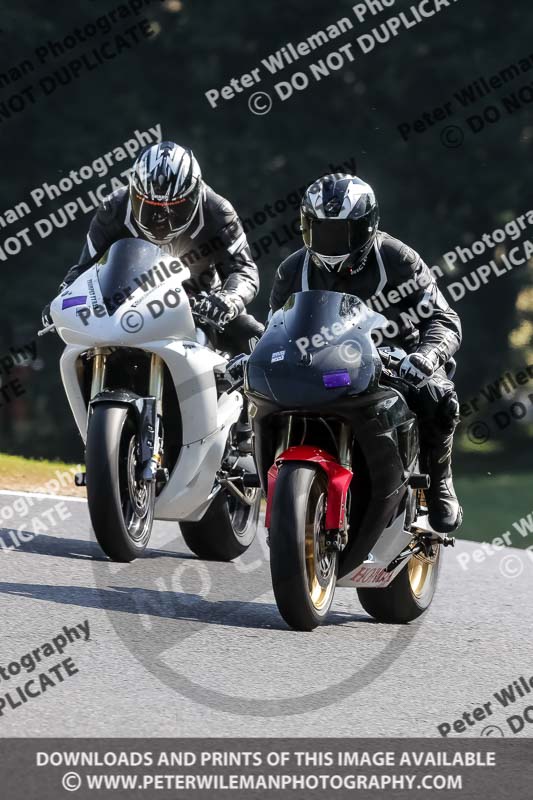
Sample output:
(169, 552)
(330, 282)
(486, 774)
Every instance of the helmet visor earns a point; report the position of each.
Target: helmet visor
(163, 217)
(335, 237)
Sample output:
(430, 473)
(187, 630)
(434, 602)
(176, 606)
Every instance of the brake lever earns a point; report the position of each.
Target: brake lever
(390, 373)
(48, 329)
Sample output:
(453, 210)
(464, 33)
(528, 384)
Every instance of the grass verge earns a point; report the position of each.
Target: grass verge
(491, 504)
(31, 475)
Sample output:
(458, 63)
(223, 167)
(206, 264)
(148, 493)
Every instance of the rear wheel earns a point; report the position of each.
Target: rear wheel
(120, 505)
(409, 594)
(304, 573)
(227, 528)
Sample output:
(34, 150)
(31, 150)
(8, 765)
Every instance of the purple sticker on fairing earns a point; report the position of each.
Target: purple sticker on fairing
(74, 301)
(334, 380)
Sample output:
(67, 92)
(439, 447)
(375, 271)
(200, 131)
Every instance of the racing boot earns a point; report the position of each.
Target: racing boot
(445, 513)
(234, 377)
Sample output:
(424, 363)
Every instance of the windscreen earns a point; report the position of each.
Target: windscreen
(128, 264)
(305, 314)
(316, 348)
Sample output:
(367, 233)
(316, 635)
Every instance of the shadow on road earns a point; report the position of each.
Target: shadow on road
(168, 605)
(44, 545)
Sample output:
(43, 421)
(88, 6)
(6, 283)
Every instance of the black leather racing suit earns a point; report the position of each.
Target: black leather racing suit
(393, 267)
(214, 248)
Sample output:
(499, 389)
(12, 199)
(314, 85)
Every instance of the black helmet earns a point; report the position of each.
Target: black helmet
(165, 187)
(340, 219)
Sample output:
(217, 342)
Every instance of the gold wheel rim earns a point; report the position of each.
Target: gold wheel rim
(319, 565)
(421, 569)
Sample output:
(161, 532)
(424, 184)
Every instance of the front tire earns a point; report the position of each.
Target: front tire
(120, 506)
(304, 574)
(227, 528)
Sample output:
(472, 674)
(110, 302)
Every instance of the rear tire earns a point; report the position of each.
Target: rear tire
(226, 530)
(121, 508)
(303, 574)
(409, 594)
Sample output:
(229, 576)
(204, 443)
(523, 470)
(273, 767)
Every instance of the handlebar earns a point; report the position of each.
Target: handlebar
(391, 365)
(388, 360)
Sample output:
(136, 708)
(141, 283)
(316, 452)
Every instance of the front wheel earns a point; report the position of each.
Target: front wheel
(304, 572)
(409, 594)
(121, 505)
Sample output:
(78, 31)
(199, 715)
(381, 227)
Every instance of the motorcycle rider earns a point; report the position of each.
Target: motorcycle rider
(168, 203)
(345, 251)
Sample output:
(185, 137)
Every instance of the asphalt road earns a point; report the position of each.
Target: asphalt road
(180, 647)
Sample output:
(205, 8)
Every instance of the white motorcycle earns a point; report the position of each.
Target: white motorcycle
(156, 408)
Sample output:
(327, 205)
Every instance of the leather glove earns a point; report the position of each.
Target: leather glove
(417, 369)
(235, 370)
(45, 316)
(220, 307)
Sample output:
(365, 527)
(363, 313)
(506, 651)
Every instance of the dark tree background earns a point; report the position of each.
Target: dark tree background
(431, 196)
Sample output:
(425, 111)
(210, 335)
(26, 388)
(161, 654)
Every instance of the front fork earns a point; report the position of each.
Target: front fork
(155, 390)
(151, 445)
(98, 376)
(345, 446)
(344, 443)
(339, 474)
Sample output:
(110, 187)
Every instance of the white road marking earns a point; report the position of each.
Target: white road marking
(43, 496)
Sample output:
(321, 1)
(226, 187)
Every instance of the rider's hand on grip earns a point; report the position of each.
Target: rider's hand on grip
(220, 308)
(417, 370)
(235, 370)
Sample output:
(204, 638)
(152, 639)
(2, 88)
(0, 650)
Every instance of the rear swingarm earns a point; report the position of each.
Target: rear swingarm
(229, 482)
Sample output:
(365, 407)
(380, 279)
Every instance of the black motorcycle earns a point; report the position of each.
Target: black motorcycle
(337, 450)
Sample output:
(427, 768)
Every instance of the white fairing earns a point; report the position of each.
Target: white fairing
(158, 321)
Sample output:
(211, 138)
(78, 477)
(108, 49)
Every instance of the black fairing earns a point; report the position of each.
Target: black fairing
(385, 433)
